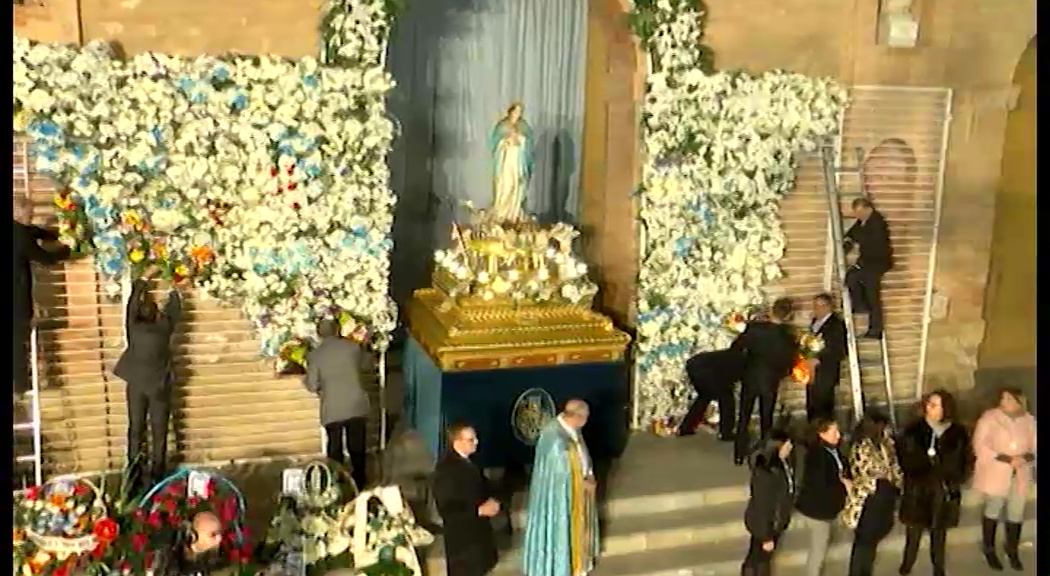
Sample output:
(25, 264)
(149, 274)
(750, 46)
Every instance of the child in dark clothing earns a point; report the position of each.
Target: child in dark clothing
(768, 512)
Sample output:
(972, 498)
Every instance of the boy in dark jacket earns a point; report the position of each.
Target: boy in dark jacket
(769, 509)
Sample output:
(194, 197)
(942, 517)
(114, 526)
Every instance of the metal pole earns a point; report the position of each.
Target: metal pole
(835, 215)
(38, 473)
(382, 400)
(937, 207)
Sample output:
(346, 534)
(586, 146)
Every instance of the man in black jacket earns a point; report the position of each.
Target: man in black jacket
(712, 375)
(769, 348)
(466, 504)
(768, 511)
(871, 235)
(146, 367)
(27, 249)
(820, 394)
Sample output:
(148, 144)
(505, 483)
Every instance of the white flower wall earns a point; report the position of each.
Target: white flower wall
(720, 154)
(263, 180)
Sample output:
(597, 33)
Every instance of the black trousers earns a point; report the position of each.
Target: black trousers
(862, 557)
(912, 539)
(758, 562)
(148, 400)
(21, 330)
(820, 395)
(347, 437)
(709, 388)
(765, 394)
(865, 291)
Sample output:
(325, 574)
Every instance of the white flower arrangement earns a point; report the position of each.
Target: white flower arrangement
(263, 180)
(720, 152)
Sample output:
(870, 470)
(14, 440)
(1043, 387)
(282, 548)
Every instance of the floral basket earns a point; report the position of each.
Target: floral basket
(61, 525)
(315, 521)
(386, 533)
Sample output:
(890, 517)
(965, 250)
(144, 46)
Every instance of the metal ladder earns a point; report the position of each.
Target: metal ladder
(832, 172)
(33, 396)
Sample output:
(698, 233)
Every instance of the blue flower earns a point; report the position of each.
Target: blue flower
(311, 81)
(220, 73)
(239, 101)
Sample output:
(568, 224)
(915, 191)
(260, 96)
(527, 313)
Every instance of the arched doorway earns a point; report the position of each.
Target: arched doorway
(1007, 353)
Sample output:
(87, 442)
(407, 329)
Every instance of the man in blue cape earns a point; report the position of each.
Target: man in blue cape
(561, 531)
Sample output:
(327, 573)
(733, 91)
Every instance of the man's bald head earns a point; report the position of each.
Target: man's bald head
(576, 413)
(208, 530)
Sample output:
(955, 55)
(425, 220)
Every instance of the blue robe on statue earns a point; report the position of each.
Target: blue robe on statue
(561, 530)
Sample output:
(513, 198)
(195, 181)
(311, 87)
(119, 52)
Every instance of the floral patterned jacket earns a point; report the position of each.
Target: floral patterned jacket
(869, 462)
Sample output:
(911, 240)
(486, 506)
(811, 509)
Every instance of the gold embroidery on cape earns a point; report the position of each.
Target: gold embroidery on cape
(577, 519)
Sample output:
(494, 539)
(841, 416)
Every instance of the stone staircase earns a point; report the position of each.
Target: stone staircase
(676, 509)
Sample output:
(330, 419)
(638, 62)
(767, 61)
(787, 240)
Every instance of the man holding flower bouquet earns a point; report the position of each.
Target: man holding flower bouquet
(826, 323)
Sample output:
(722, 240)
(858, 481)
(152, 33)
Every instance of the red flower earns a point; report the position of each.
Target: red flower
(32, 493)
(175, 488)
(292, 185)
(149, 558)
(156, 499)
(139, 514)
(194, 501)
(273, 171)
(81, 489)
(105, 530)
(246, 534)
(125, 566)
(169, 506)
(154, 519)
(174, 519)
(291, 169)
(210, 489)
(235, 555)
(139, 541)
(60, 571)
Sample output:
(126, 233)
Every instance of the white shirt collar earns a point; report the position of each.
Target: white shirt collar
(569, 429)
(819, 322)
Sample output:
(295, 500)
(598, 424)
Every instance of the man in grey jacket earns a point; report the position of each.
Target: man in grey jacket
(333, 372)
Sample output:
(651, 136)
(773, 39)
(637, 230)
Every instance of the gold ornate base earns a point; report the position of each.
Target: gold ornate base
(468, 336)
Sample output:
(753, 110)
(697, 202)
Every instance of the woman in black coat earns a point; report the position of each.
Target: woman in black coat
(936, 457)
(768, 510)
(822, 494)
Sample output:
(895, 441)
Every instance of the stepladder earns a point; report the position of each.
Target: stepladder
(27, 437)
(868, 358)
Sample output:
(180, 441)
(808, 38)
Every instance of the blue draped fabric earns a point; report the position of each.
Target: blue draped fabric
(423, 390)
(458, 65)
(548, 548)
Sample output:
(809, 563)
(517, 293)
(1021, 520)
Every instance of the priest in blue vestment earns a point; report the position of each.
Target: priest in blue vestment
(561, 530)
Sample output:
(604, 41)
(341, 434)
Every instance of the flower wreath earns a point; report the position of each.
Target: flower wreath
(62, 527)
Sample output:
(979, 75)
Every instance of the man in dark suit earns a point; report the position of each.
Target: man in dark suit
(466, 504)
(769, 348)
(820, 394)
(712, 375)
(27, 249)
(146, 367)
(871, 235)
(333, 372)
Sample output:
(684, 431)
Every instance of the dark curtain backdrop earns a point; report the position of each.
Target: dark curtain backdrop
(458, 64)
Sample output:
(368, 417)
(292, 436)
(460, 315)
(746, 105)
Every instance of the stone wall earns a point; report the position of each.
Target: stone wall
(971, 46)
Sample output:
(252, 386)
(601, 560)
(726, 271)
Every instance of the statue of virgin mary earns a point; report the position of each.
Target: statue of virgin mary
(511, 145)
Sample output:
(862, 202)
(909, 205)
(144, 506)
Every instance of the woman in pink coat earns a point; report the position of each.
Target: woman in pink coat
(1004, 444)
